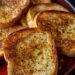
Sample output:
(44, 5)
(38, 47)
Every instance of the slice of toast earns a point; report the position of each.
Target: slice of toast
(41, 7)
(62, 26)
(40, 1)
(30, 52)
(5, 32)
(11, 11)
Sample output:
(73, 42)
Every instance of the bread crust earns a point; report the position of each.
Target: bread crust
(40, 1)
(11, 11)
(39, 8)
(62, 26)
(23, 21)
(5, 32)
(1, 54)
(12, 59)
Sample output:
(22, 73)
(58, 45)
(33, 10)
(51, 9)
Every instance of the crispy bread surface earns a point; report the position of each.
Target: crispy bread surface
(5, 32)
(11, 11)
(30, 52)
(41, 7)
(62, 26)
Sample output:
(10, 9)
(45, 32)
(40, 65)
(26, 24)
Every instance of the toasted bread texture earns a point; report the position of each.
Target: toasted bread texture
(40, 1)
(41, 7)
(30, 52)
(5, 32)
(62, 26)
(11, 11)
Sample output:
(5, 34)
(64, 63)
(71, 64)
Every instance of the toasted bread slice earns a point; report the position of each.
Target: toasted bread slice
(42, 7)
(11, 11)
(5, 32)
(62, 26)
(40, 1)
(30, 52)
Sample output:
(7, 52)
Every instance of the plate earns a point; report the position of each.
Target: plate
(3, 69)
(66, 65)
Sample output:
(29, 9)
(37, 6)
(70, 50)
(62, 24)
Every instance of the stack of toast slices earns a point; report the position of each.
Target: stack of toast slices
(31, 31)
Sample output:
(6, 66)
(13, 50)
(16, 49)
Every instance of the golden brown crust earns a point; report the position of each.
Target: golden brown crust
(62, 26)
(5, 32)
(16, 58)
(1, 54)
(24, 21)
(10, 12)
(40, 1)
(68, 47)
(42, 7)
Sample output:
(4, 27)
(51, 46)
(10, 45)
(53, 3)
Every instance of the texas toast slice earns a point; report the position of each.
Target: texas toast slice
(62, 26)
(11, 11)
(30, 52)
(39, 8)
